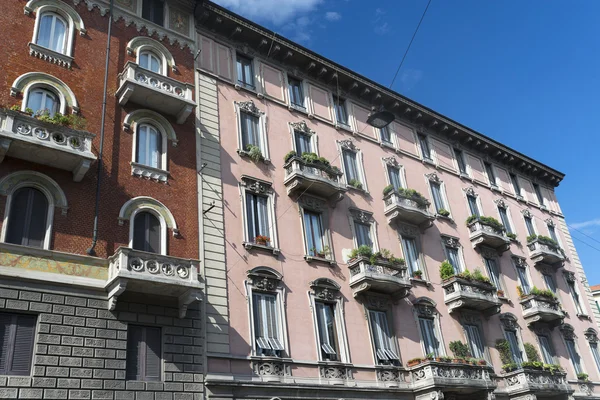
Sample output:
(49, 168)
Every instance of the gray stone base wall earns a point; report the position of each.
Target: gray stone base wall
(80, 349)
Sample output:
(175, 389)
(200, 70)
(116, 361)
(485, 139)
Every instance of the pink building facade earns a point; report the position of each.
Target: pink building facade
(421, 261)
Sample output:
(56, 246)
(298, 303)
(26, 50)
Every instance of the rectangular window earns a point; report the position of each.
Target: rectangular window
(250, 125)
(454, 259)
(363, 234)
(430, 341)
(575, 297)
(424, 143)
(296, 92)
(489, 169)
(438, 199)
(266, 324)
(245, 72)
(17, 334)
(493, 272)
(327, 327)
(351, 166)
(552, 233)
(547, 351)
(385, 135)
(475, 341)
(504, 219)
(515, 347)
(144, 353)
(529, 225)
(515, 183)
(303, 143)
(394, 176)
(460, 160)
(574, 356)
(595, 354)
(257, 216)
(538, 194)
(550, 284)
(523, 281)
(411, 254)
(154, 10)
(473, 206)
(340, 111)
(382, 338)
(314, 233)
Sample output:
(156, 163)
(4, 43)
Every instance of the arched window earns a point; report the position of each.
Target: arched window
(149, 146)
(146, 232)
(151, 61)
(27, 218)
(52, 32)
(42, 99)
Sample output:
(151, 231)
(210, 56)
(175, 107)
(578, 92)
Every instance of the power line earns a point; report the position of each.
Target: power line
(410, 44)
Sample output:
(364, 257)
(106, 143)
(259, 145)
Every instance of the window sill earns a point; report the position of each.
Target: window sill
(428, 161)
(249, 88)
(309, 259)
(355, 189)
(464, 175)
(295, 107)
(495, 188)
(445, 218)
(421, 282)
(51, 56)
(245, 154)
(504, 299)
(583, 316)
(151, 173)
(389, 145)
(343, 126)
(250, 246)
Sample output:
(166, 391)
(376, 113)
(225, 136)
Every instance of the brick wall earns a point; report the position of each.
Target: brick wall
(80, 347)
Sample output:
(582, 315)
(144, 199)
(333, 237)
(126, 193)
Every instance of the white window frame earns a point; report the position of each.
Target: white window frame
(348, 145)
(519, 195)
(312, 204)
(567, 334)
(548, 335)
(509, 323)
(467, 172)
(527, 214)
(433, 178)
(72, 21)
(161, 60)
(249, 108)
(591, 336)
(303, 84)
(392, 336)
(432, 155)
(339, 124)
(302, 127)
(452, 242)
(471, 192)
(255, 283)
(473, 319)
(60, 98)
(493, 255)
(496, 185)
(502, 204)
(142, 44)
(366, 218)
(163, 227)
(336, 299)
(519, 262)
(570, 277)
(544, 202)
(412, 232)
(425, 308)
(392, 142)
(255, 75)
(391, 162)
(259, 187)
(550, 222)
(163, 139)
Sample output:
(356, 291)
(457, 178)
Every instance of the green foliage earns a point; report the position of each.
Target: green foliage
(313, 158)
(471, 218)
(443, 212)
(417, 274)
(28, 111)
(532, 365)
(503, 348)
(446, 270)
(478, 276)
(384, 255)
(489, 221)
(511, 366)
(254, 153)
(531, 352)
(466, 274)
(552, 368)
(388, 189)
(414, 196)
(582, 377)
(362, 251)
(429, 356)
(416, 360)
(512, 236)
(16, 107)
(543, 293)
(288, 156)
(460, 349)
(355, 183)
(531, 238)
(445, 359)
(520, 291)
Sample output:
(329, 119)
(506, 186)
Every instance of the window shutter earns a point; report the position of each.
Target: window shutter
(5, 330)
(23, 345)
(153, 226)
(134, 352)
(406, 138)
(206, 59)
(152, 360)
(37, 220)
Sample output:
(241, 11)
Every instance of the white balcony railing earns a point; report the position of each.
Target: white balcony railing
(542, 309)
(318, 179)
(158, 92)
(541, 252)
(461, 293)
(401, 208)
(27, 138)
(484, 234)
(384, 277)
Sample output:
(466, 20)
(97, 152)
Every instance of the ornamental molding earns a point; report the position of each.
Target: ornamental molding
(257, 186)
(263, 278)
(389, 375)
(450, 241)
(52, 57)
(541, 329)
(569, 276)
(509, 321)
(520, 261)
(380, 303)
(325, 289)
(391, 161)
(527, 213)
(501, 203)
(568, 332)
(340, 372)
(302, 127)
(470, 318)
(470, 191)
(488, 252)
(408, 231)
(550, 222)
(433, 177)
(249, 107)
(425, 307)
(362, 216)
(591, 335)
(312, 203)
(145, 202)
(271, 368)
(347, 144)
(47, 185)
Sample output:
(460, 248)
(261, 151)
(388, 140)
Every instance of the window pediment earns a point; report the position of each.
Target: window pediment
(392, 162)
(264, 278)
(256, 185)
(250, 108)
(591, 335)
(509, 321)
(425, 307)
(347, 144)
(302, 127)
(450, 241)
(568, 332)
(470, 191)
(361, 216)
(325, 289)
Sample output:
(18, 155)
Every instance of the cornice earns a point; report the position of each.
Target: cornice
(373, 93)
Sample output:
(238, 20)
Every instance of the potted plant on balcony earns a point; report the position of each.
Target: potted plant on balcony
(479, 277)
(323, 253)
(289, 156)
(262, 240)
(414, 361)
(461, 351)
(446, 270)
(481, 362)
(418, 274)
(254, 153)
(583, 377)
(489, 221)
(506, 358)
(545, 293)
(430, 356)
(385, 257)
(415, 196)
(362, 251)
(443, 212)
(388, 189)
(531, 352)
(356, 184)
(512, 236)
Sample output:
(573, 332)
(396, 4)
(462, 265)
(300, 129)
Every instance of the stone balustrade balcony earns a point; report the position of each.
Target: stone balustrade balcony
(28, 138)
(471, 381)
(400, 208)
(460, 293)
(313, 178)
(483, 234)
(522, 382)
(153, 274)
(384, 277)
(155, 91)
(541, 252)
(541, 309)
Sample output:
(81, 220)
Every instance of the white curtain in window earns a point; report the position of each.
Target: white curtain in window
(493, 272)
(454, 259)
(149, 146)
(381, 335)
(150, 62)
(52, 32)
(394, 175)
(574, 356)
(350, 165)
(515, 348)
(40, 100)
(313, 232)
(411, 254)
(250, 130)
(363, 234)
(430, 340)
(475, 342)
(546, 349)
(266, 322)
(257, 216)
(522, 272)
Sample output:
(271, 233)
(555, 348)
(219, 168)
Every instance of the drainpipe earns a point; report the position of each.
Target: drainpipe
(91, 251)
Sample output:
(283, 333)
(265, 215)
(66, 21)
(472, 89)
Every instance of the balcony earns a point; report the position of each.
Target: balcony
(545, 252)
(155, 91)
(404, 208)
(27, 138)
(153, 274)
(540, 383)
(472, 381)
(313, 178)
(460, 293)
(542, 309)
(384, 278)
(483, 233)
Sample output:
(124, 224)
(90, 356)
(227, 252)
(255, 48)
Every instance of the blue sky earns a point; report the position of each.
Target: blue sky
(525, 73)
